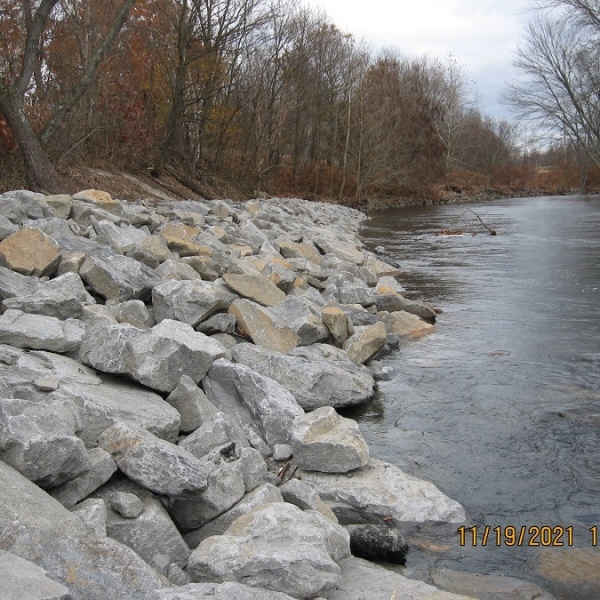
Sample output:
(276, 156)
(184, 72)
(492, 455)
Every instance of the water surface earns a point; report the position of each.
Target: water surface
(500, 407)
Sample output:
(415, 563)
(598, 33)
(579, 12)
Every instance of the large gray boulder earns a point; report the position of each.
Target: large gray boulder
(218, 591)
(255, 287)
(199, 343)
(303, 318)
(14, 285)
(265, 494)
(381, 490)
(150, 534)
(262, 326)
(38, 332)
(361, 579)
(191, 403)
(188, 301)
(111, 400)
(102, 467)
(118, 277)
(365, 343)
(217, 430)
(21, 578)
(277, 547)
(327, 442)
(157, 360)
(225, 488)
(37, 528)
(317, 375)
(38, 440)
(153, 463)
(393, 302)
(257, 402)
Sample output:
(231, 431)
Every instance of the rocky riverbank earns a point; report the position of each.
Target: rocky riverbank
(169, 379)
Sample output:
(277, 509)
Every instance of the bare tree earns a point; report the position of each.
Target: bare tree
(16, 89)
(560, 62)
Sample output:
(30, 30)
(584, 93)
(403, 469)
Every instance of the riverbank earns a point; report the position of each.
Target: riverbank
(171, 375)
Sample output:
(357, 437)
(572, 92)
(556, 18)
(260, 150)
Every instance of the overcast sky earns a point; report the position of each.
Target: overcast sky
(481, 34)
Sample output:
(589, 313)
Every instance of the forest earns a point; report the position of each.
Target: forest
(265, 96)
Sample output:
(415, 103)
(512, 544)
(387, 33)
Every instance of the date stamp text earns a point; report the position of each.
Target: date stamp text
(526, 536)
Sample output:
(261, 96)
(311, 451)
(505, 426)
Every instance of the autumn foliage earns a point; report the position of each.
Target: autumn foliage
(262, 93)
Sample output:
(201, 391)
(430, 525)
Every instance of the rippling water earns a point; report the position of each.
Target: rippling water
(501, 406)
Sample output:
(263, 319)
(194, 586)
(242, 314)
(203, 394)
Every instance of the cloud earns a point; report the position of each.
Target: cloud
(481, 34)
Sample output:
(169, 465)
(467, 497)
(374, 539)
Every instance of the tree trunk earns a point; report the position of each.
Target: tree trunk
(39, 171)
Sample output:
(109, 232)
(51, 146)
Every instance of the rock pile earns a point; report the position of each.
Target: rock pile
(167, 372)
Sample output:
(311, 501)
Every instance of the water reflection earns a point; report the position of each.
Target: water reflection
(501, 406)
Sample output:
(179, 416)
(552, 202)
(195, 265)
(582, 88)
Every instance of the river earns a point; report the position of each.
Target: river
(500, 407)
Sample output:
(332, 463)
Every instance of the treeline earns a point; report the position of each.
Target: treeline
(265, 94)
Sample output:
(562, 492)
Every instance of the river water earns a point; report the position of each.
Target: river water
(500, 407)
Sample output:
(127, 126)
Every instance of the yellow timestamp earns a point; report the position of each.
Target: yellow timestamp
(524, 536)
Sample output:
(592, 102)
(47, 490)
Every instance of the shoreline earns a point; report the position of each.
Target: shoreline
(176, 369)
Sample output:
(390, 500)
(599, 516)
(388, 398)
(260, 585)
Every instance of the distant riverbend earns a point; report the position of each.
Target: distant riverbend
(500, 407)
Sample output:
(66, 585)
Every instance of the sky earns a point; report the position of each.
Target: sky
(482, 35)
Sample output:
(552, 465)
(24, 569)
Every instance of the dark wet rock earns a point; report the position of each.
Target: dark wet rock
(377, 542)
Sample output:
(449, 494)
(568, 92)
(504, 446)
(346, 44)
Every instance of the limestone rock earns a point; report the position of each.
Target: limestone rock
(102, 467)
(59, 205)
(402, 323)
(303, 318)
(202, 345)
(344, 250)
(127, 505)
(306, 251)
(156, 361)
(38, 332)
(37, 528)
(46, 302)
(365, 343)
(317, 375)
(217, 430)
(99, 198)
(275, 546)
(264, 494)
(154, 463)
(189, 301)
(37, 439)
(381, 268)
(19, 205)
(20, 578)
(112, 400)
(93, 513)
(257, 402)
(218, 591)
(118, 277)
(30, 252)
(261, 326)
(381, 490)
(304, 497)
(337, 323)
(181, 238)
(219, 323)
(13, 284)
(191, 403)
(120, 239)
(6, 227)
(327, 442)
(361, 579)
(173, 269)
(501, 587)
(149, 534)
(225, 488)
(392, 302)
(255, 287)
